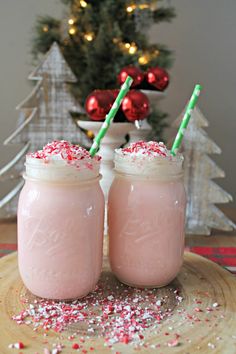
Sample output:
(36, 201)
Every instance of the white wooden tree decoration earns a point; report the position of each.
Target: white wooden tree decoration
(44, 116)
(199, 170)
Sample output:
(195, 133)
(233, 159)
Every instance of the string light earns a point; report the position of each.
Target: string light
(89, 36)
(115, 40)
(130, 8)
(146, 57)
(133, 48)
(72, 31)
(83, 3)
(45, 28)
(71, 21)
(143, 6)
(143, 59)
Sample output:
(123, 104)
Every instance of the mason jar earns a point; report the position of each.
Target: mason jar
(60, 229)
(146, 217)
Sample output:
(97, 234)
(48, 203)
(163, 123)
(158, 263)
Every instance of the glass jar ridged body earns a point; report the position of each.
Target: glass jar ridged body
(60, 237)
(146, 217)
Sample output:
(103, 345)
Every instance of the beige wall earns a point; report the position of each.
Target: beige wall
(17, 18)
(203, 37)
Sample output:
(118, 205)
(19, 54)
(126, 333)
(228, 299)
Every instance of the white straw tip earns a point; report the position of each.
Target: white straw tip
(198, 89)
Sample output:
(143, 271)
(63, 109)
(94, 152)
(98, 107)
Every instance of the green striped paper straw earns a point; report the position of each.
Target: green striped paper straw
(110, 116)
(191, 105)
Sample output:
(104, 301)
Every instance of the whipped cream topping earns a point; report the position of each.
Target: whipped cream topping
(62, 160)
(150, 159)
(149, 149)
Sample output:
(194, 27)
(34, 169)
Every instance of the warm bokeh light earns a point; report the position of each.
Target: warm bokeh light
(143, 6)
(127, 45)
(71, 21)
(115, 40)
(72, 31)
(83, 3)
(143, 60)
(133, 48)
(130, 8)
(45, 28)
(89, 36)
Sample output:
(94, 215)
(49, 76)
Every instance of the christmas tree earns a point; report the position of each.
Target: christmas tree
(199, 170)
(99, 38)
(44, 116)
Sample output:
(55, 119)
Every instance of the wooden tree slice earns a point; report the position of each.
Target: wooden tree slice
(202, 284)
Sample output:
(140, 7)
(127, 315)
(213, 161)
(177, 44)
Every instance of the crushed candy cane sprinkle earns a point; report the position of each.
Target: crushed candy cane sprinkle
(118, 314)
(63, 150)
(148, 159)
(151, 149)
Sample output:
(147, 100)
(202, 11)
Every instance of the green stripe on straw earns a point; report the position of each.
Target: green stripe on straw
(110, 116)
(185, 120)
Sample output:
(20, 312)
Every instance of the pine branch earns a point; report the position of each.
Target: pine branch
(164, 14)
(97, 63)
(157, 120)
(164, 59)
(46, 31)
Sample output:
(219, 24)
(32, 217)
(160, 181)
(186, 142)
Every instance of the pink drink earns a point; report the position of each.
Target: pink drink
(60, 222)
(146, 215)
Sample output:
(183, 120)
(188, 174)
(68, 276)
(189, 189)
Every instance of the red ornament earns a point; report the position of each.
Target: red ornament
(135, 105)
(136, 74)
(98, 104)
(158, 78)
(114, 93)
